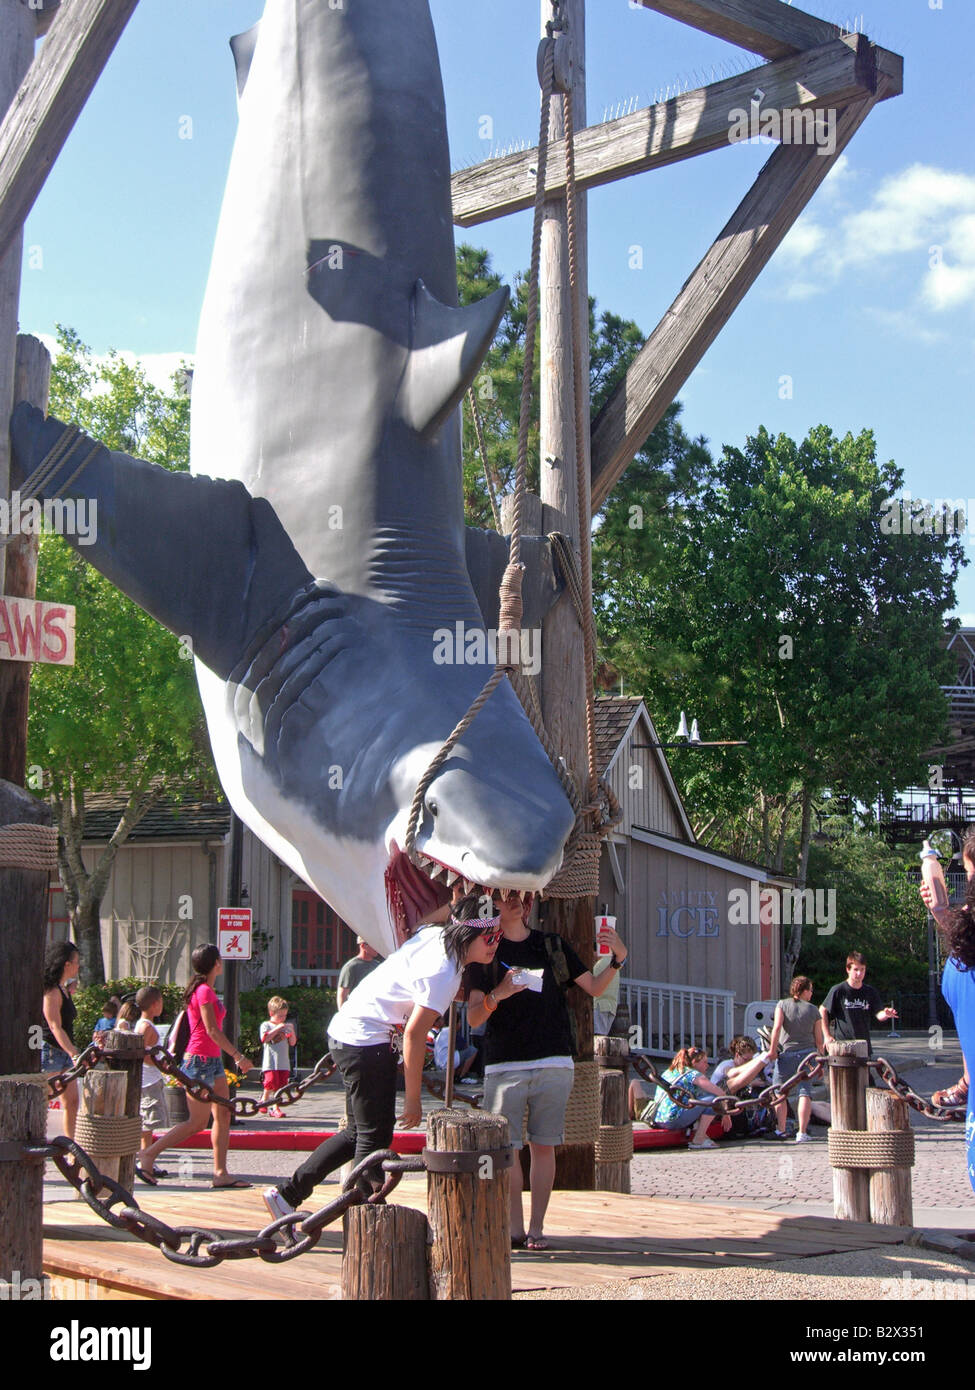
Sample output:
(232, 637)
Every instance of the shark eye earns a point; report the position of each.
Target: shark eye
(433, 808)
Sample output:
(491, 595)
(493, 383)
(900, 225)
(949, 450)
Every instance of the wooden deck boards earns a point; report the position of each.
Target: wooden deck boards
(596, 1237)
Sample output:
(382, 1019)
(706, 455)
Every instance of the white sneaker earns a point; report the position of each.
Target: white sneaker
(803, 1138)
(275, 1203)
(705, 1143)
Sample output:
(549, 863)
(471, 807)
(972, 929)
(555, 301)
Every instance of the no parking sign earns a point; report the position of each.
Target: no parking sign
(234, 932)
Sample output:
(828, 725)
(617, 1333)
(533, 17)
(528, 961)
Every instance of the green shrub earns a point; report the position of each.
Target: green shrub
(311, 1009)
(90, 1003)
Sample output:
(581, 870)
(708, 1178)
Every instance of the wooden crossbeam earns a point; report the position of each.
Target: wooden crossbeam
(831, 76)
(50, 99)
(715, 289)
(769, 27)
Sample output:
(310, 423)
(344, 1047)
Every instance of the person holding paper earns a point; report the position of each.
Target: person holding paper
(529, 1071)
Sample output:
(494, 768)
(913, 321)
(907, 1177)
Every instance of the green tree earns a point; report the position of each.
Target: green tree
(126, 719)
(793, 619)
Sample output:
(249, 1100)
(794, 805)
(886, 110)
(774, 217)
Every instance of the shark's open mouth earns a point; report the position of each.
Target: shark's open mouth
(416, 888)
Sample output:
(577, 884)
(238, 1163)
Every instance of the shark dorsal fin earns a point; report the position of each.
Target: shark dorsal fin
(242, 46)
(447, 347)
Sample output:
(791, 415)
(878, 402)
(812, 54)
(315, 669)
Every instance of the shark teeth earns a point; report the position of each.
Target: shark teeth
(452, 877)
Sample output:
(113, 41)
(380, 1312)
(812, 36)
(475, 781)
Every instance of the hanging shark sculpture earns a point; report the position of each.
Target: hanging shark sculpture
(318, 547)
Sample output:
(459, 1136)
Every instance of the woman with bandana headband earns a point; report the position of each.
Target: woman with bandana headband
(403, 996)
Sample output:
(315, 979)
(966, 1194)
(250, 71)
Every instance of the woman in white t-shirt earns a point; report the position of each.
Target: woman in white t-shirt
(406, 993)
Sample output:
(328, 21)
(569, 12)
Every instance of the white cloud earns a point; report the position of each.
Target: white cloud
(923, 212)
(802, 289)
(806, 239)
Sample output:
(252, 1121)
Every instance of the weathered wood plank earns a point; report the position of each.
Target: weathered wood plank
(50, 99)
(693, 123)
(769, 27)
(711, 294)
(662, 1236)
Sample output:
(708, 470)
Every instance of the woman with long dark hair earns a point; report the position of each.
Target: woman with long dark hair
(58, 1051)
(407, 993)
(202, 1062)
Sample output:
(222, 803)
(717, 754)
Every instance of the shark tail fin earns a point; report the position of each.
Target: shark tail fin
(242, 46)
(447, 347)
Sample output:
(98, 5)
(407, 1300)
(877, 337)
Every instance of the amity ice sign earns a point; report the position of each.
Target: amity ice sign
(34, 631)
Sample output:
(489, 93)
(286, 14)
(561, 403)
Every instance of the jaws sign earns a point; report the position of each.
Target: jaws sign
(34, 631)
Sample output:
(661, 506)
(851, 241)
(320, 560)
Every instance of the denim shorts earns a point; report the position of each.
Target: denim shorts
(205, 1069)
(54, 1058)
(786, 1065)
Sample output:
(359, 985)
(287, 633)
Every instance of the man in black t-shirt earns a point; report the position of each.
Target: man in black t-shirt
(528, 1066)
(848, 1008)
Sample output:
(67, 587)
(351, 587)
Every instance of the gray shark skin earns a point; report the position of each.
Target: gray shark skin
(320, 543)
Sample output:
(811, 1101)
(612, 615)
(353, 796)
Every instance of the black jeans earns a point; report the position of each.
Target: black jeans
(369, 1074)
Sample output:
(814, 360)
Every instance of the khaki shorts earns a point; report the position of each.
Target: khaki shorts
(152, 1108)
(542, 1092)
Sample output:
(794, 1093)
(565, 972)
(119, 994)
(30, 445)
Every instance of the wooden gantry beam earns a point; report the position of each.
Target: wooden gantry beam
(56, 87)
(769, 27)
(715, 289)
(828, 77)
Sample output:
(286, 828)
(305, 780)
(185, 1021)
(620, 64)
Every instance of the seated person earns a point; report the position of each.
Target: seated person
(463, 1059)
(689, 1071)
(744, 1074)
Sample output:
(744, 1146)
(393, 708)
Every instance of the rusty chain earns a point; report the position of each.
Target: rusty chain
(299, 1231)
(810, 1067)
(241, 1106)
(888, 1075)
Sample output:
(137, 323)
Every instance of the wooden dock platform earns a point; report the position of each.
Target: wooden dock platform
(595, 1237)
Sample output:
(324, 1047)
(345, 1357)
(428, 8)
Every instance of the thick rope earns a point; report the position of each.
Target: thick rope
(850, 1148)
(614, 1143)
(582, 1110)
(109, 1136)
(54, 459)
(531, 323)
(582, 482)
(497, 675)
(29, 846)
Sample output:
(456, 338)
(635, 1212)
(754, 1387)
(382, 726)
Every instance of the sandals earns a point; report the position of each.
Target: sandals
(223, 1186)
(536, 1243)
(145, 1177)
(518, 1242)
(954, 1095)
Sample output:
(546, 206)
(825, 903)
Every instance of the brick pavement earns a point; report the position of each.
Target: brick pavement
(764, 1172)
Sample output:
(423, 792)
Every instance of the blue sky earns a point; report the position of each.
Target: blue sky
(872, 334)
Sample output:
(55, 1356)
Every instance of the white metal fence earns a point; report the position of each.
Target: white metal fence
(668, 1017)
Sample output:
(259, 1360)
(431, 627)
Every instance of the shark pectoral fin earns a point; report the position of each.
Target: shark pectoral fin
(189, 549)
(487, 556)
(242, 46)
(447, 347)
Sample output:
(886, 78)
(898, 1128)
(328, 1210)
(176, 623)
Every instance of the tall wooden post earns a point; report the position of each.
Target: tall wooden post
(563, 674)
(467, 1202)
(848, 1106)
(23, 1091)
(32, 382)
(18, 29)
(890, 1188)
